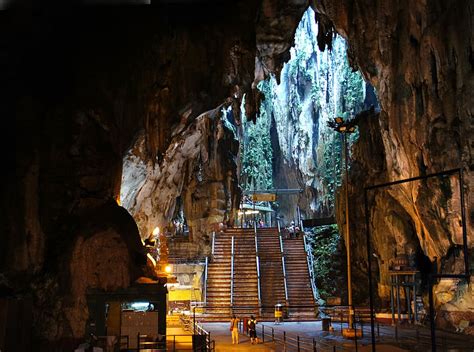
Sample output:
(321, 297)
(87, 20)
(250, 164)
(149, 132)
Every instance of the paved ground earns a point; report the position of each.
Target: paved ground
(310, 334)
(221, 334)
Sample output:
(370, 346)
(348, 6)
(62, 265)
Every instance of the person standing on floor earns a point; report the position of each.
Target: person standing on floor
(253, 330)
(234, 328)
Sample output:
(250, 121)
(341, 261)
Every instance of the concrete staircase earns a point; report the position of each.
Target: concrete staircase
(300, 292)
(245, 298)
(271, 270)
(219, 280)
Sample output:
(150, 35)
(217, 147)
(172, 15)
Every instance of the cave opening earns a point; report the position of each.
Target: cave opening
(292, 160)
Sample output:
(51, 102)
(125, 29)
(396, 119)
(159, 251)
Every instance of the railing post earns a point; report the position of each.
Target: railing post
(314, 345)
(257, 260)
(258, 285)
(213, 242)
(174, 342)
(263, 333)
(138, 342)
(205, 281)
(298, 341)
(232, 273)
(273, 334)
(284, 268)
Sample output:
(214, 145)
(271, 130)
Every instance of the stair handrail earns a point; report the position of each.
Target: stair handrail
(232, 273)
(310, 263)
(213, 242)
(257, 260)
(279, 227)
(284, 279)
(205, 280)
(258, 285)
(284, 268)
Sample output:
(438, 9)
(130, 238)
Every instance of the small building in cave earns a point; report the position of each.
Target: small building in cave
(133, 313)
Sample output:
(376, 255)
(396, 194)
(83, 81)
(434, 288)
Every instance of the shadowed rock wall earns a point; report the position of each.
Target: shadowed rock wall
(82, 87)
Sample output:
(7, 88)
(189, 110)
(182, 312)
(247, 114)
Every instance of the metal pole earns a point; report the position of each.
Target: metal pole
(348, 238)
(232, 274)
(397, 297)
(369, 263)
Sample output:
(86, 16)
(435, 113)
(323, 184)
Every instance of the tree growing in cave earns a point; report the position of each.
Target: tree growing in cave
(257, 153)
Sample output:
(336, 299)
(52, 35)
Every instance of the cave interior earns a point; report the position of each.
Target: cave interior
(125, 122)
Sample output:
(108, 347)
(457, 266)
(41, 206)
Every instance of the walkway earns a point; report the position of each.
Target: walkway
(221, 334)
(413, 338)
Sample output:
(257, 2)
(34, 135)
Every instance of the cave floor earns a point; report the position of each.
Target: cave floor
(389, 339)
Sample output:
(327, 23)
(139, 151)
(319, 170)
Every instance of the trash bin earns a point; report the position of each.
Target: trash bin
(326, 322)
(278, 313)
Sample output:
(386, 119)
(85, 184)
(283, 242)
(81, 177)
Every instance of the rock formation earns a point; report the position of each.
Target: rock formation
(315, 87)
(200, 168)
(419, 59)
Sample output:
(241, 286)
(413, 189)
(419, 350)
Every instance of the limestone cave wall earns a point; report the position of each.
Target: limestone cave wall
(419, 57)
(200, 168)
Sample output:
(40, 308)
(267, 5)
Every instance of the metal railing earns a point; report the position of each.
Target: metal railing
(310, 262)
(257, 261)
(284, 268)
(232, 273)
(205, 279)
(192, 326)
(258, 283)
(213, 243)
(295, 342)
